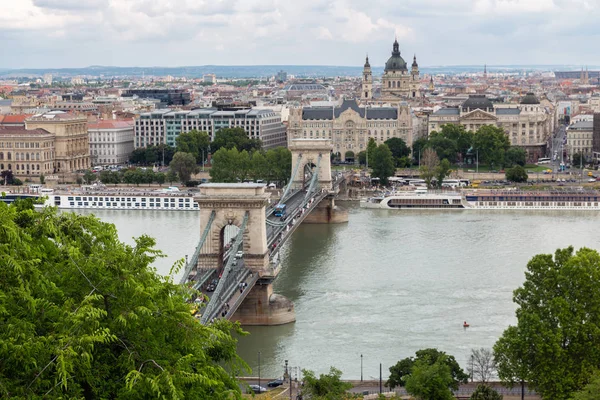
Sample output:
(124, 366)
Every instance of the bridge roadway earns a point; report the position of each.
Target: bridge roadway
(239, 277)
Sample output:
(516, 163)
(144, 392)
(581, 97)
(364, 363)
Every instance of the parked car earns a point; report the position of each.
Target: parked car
(275, 383)
(257, 389)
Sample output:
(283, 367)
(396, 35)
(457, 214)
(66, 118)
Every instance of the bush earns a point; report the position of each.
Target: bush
(192, 183)
(516, 174)
(17, 182)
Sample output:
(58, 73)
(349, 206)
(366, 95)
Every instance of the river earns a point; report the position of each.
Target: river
(387, 283)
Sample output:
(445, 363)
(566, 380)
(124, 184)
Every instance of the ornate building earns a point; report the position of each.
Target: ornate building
(349, 126)
(528, 124)
(397, 83)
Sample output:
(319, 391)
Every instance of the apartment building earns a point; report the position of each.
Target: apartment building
(163, 126)
(111, 142)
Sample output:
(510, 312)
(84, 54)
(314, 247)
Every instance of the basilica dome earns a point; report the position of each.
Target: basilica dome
(395, 62)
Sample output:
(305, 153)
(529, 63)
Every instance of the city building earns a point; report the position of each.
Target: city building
(209, 78)
(580, 139)
(527, 125)
(281, 76)
(111, 142)
(26, 152)
(167, 97)
(397, 83)
(350, 126)
(71, 147)
(596, 137)
(163, 126)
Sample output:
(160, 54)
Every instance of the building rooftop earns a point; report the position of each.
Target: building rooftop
(582, 126)
(110, 125)
(328, 112)
(14, 119)
(20, 130)
(508, 111)
(530, 98)
(476, 101)
(447, 111)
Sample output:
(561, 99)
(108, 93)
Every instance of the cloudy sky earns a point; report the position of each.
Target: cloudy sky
(79, 33)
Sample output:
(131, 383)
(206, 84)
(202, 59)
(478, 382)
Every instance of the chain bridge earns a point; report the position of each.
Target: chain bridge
(237, 257)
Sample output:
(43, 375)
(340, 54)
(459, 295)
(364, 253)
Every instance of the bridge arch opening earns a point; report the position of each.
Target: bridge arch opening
(227, 236)
(309, 169)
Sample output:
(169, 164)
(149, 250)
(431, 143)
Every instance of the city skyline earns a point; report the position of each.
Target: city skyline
(69, 33)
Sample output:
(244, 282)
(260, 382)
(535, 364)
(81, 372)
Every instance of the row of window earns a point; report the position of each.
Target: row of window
(128, 199)
(107, 204)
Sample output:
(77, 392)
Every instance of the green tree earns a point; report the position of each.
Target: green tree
(138, 156)
(259, 166)
(443, 146)
(280, 164)
(462, 138)
(429, 165)
(42, 179)
(430, 381)
(106, 177)
(429, 356)
(516, 174)
(515, 156)
(399, 149)
(578, 160)
(160, 178)
(442, 171)
(171, 176)
(485, 392)
(89, 177)
(555, 343)
(234, 137)
(184, 165)
(362, 157)
(86, 316)
(371, 147)
(492, 143)
(349, 156)
(194, 142)
(229, 165)
(418, 148)
(133, 176)
(383, 165)
(591, 391)
(326, 386)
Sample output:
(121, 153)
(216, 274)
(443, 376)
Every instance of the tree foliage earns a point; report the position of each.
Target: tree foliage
(371, 147)
(491, 142)
(441, 172)
(326, 386)
(403, 368)
(516, 174)
(234, 137)
(195, 143)
(591, 391)
(152, 155)
(485, 392)
(578, 160)
(184, 165)
(231, 165)
(383, 164)
(556, 341)
(399, 150)
(430, 381)
(515, 156)
(83, 315)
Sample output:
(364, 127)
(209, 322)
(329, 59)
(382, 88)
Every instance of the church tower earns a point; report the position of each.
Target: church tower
(414, 81)
(367, 82)
(431, 85)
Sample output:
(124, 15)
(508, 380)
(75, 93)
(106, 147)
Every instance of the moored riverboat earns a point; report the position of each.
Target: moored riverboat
(419, 199)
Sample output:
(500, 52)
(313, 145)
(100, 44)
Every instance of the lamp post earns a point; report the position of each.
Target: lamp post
(259, 368)
(361, 368)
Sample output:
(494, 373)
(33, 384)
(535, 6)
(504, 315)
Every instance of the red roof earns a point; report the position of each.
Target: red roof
(21, 130)
(15, 119)
(110, 124)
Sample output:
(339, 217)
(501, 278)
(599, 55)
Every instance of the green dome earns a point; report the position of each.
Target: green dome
(395, 62)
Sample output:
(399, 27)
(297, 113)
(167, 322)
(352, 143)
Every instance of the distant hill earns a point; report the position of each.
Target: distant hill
(261, 71)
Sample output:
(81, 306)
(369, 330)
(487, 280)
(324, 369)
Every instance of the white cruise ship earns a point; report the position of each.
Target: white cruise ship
(165, 199)
(418, 199)
(487, 200)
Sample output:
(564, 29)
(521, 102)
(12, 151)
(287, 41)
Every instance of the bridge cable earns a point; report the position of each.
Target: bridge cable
(221, 288)
(289, 185)
(194, 260)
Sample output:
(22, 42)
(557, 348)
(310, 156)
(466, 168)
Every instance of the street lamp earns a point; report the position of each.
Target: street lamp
(259, 369)
(361, 368)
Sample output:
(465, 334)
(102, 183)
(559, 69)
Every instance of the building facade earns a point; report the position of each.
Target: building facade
(72, 149)
(111, 142)
(26, 152)
(580, 137)
(397, 83)
(163, 126)
(528, 125)
(349, 126)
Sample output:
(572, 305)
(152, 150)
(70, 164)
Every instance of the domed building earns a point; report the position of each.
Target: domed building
(398, 82)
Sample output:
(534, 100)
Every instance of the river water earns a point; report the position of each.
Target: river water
(388, 282)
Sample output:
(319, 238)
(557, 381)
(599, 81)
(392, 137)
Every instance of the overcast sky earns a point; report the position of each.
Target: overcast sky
(79, 33)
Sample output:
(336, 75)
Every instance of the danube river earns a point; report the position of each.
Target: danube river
(388, 282)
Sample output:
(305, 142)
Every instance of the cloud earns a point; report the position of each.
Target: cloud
(333, 32)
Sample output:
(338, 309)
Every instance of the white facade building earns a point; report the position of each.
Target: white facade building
(111, 142)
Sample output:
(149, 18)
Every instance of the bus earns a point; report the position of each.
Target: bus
(543, 160)
(280, 210)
